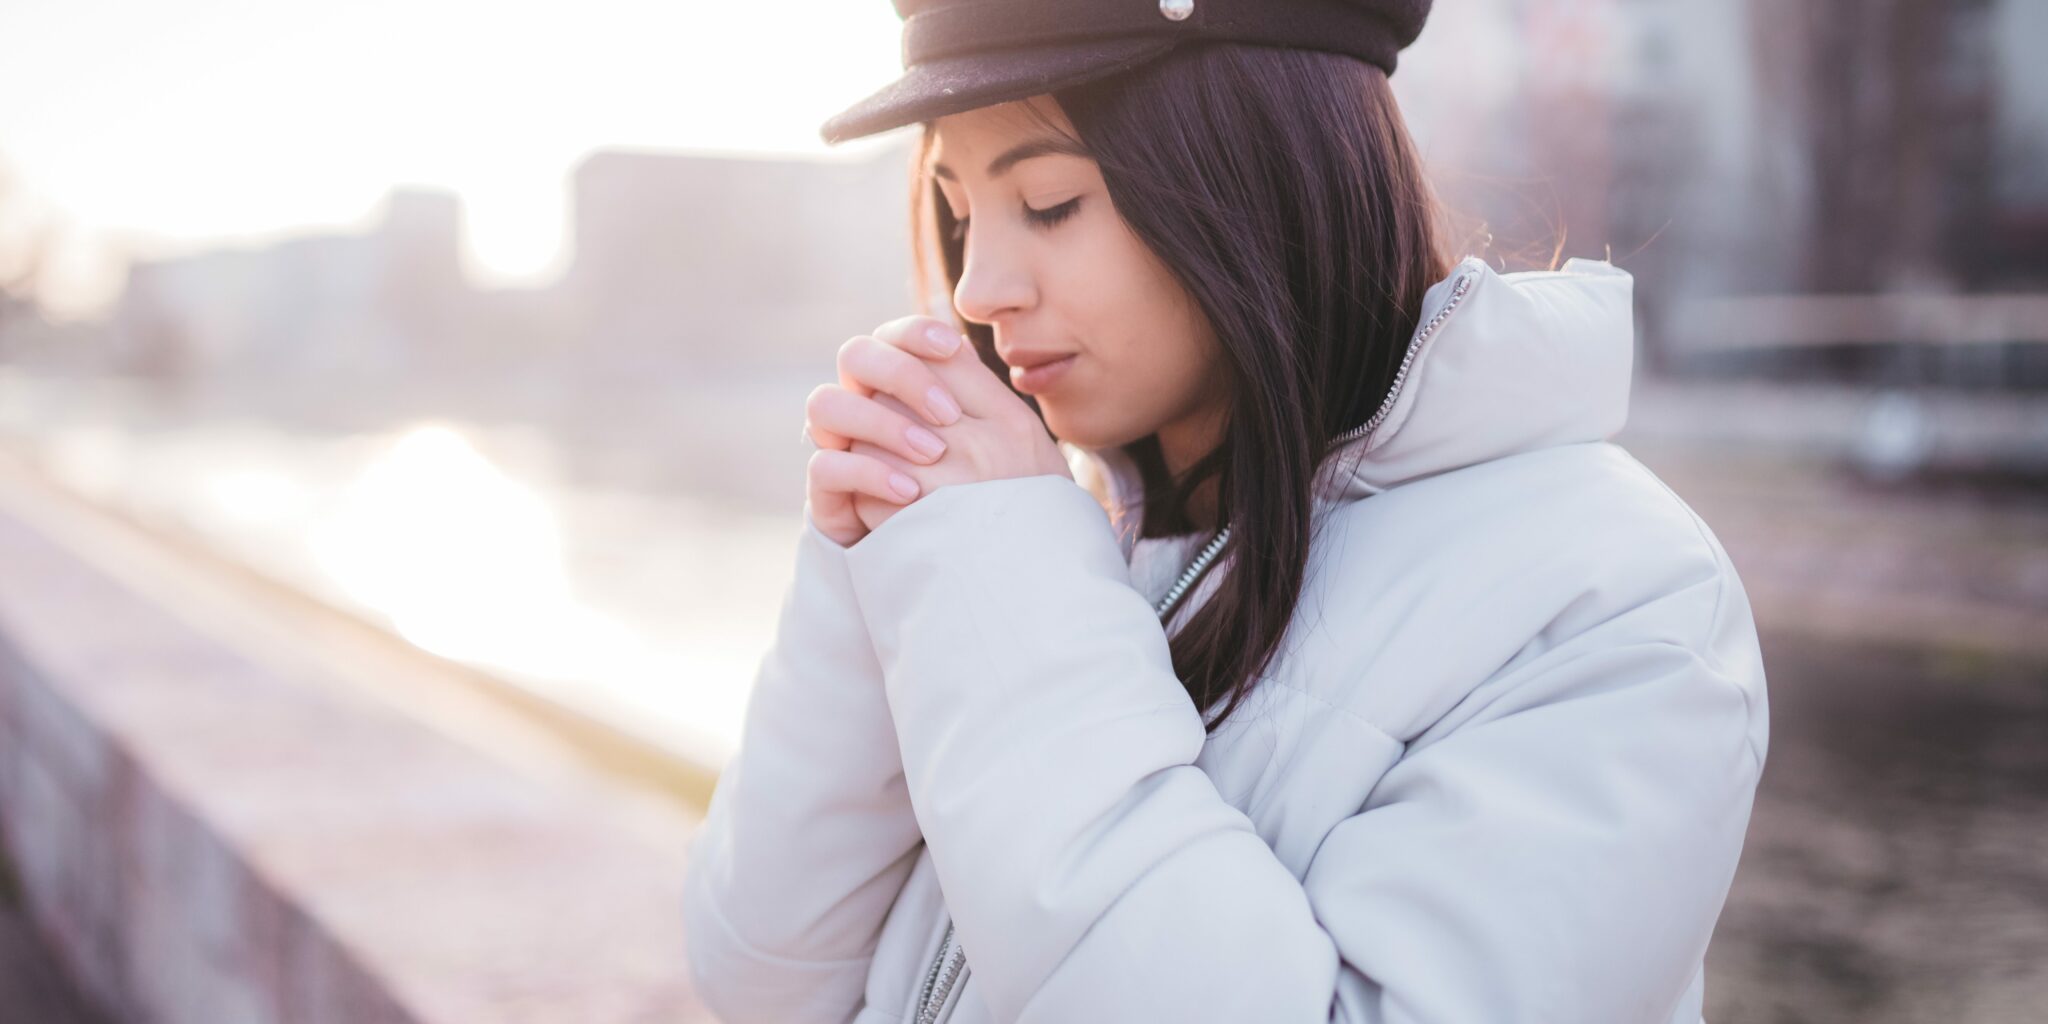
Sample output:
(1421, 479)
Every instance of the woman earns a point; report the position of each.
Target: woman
(1283, 640)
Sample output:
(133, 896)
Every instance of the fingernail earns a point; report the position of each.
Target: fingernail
(943, 408)
(927, 442)
(903, 485)
(944, 338)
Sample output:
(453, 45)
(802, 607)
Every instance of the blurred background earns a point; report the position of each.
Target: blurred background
(490, 327)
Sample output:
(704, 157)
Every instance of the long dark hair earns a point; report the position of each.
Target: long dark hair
(1281, 188)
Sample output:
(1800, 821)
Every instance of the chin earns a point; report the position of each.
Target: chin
(1076, 427)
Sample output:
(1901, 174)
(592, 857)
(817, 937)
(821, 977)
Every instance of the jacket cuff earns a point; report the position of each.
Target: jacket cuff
(809, 834)
(1029, 551)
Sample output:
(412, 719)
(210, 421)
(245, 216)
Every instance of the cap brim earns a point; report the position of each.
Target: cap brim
(951, 85)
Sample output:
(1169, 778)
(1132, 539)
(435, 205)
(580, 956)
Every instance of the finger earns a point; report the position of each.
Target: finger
(816, 433)
(922, 335)
(830, 509)
(839, 472)
(868, 365)
(843, 414)
(979, 390)
(884, 455)
(918, 474)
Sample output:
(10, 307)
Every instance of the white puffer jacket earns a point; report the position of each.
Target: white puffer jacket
(1500, 771)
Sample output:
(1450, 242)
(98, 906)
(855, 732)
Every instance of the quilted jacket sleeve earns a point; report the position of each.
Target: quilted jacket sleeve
(809, 835)
(1561, 855)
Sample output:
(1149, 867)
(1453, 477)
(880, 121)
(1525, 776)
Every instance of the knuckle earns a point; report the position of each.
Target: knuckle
(1020, 430)
(903, 327)
(895, 406)
(851, 349)
(889, 331)
(889, 361)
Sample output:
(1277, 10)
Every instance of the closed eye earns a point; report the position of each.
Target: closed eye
(1045, 218)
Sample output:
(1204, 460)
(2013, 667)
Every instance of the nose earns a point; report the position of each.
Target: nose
(996, 280)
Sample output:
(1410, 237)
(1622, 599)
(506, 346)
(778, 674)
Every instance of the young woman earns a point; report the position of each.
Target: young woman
(1264, 628)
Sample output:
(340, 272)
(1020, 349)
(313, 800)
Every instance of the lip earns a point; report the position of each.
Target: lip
(1026, 358)
(1036, 377)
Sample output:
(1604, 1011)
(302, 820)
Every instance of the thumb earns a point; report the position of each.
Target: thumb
(983, 390)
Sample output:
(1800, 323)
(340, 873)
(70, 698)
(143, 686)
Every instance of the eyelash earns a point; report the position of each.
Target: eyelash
(1047, 218)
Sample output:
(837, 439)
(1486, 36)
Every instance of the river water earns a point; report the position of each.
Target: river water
(480, 543)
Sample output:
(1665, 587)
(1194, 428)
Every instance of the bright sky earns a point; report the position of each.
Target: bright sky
(174, 125)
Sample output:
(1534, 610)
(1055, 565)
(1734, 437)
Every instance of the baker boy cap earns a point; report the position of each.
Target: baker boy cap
(963, 54)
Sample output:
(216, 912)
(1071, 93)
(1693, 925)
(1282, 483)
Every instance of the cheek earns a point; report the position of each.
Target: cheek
(1127, 395)
(1149, 352)
(1123, 302)
(1159, 332)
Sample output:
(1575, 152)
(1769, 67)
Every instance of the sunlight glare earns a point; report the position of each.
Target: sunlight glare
(465, 561)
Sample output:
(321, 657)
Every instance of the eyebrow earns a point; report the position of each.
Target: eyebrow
(1045, 146)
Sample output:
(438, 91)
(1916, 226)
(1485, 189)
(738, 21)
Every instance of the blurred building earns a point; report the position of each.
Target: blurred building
(365, 305)
(1609, 129)
(710, 262)
(1911, 134)
(1905, 181)
(683, 264)
(1848, 149)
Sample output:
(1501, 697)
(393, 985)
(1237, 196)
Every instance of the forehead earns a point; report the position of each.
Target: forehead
(965, 144)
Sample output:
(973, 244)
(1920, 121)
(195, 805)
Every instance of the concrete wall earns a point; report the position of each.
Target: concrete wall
(212, 834)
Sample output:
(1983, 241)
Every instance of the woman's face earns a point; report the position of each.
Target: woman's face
(1053, 270)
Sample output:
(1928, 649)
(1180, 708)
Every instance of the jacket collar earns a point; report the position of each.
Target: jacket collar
(1500, 364)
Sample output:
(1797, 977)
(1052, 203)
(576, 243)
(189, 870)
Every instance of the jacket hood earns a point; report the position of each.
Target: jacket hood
(1500, 364)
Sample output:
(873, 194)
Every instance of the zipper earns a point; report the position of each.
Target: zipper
(1422, 334)
(949, 968)
(1194, 569)
(933, 995)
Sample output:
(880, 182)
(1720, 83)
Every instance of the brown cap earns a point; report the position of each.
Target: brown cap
(963, 54)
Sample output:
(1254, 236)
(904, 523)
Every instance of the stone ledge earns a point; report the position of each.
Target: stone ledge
(203, 835)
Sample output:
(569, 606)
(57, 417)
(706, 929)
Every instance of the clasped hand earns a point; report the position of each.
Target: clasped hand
(914, 403)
